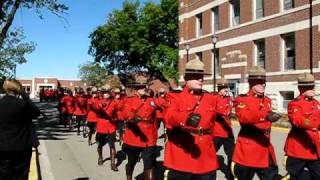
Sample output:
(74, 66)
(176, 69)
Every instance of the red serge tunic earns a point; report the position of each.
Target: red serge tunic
(185, 151)
(222, 126)
(160, 101)
(303, 141)
(253, 147)
(67, 104)
(143, 133)
(107, 125)
(92, 107)
(80, 106)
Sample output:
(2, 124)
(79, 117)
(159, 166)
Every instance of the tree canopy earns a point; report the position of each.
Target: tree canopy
(93, 74)
(13, 49)
(139, 38)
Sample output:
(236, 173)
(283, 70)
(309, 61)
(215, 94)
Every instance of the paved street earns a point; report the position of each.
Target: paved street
(66, 156)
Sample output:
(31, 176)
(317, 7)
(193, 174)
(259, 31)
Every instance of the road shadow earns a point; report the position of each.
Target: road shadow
(47, 125)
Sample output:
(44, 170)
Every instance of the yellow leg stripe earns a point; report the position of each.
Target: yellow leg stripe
(232, 170)
(284, 162)
(287, 177)
(166, 173)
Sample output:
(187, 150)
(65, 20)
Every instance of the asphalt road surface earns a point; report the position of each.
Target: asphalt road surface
(63, 155)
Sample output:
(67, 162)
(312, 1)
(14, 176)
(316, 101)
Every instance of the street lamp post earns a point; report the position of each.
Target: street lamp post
(187, 46)
(310, 38)
(214, 39)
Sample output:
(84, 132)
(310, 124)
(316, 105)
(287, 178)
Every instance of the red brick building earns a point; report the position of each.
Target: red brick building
(273, 34)
(34, 85)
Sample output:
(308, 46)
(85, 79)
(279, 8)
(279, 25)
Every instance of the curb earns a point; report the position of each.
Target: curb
(34, 172)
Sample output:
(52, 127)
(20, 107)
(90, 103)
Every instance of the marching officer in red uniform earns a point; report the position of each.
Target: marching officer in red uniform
(140, 135)
(106, 126)
(92, 117)
(303, 142)
(120, 118)
(67, 103)
(80, 109)
(189, 119)
(253, 151)
(222, 131)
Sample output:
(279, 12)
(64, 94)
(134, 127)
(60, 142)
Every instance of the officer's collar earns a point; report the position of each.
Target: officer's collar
(306, 98)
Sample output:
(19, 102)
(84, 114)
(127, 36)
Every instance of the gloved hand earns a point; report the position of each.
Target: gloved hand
(193, 119)
(137, 119)
(273, 117)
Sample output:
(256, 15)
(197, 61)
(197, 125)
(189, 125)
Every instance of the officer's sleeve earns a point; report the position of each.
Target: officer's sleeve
(245, 115)
(299, 119)
(174, 116)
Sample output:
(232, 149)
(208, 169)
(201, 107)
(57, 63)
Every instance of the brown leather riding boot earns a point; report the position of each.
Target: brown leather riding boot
(100, 159)
(113, 159)
(148, 174)
(129, 172)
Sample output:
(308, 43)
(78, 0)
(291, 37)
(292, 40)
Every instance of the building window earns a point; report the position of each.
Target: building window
(260, 54)
(259, 8)
(288, 4)
(199, 25)
(216, 61)
(199, 55)
(289, 52)
(286, 97)
(235, 12)
(215, 19)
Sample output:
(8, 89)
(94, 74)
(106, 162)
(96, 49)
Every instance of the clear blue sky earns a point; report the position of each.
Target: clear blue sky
(62, 47)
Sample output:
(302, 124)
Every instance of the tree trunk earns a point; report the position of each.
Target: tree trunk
(8, 22)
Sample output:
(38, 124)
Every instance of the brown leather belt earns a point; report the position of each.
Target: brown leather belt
(198, 131)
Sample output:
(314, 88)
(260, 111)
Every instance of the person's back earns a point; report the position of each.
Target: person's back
(15, 117)
(16, 133)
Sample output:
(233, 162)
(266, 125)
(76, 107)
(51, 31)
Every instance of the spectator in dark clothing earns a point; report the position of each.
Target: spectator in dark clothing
(16, 133)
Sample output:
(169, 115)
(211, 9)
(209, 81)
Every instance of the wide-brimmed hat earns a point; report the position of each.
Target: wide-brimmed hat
(116, 90)
(222, 82)
(138, 80)
(256, 73)
(12, 86)
(105, 88)
(94, 89)
(195, 66)
(306, 79)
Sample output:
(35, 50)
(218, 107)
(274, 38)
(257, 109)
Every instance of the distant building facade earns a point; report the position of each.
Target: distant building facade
(34, 85)
(273, 34)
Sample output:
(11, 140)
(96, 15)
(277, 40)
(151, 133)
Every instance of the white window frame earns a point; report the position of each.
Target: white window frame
(232, 15)
(198, 34)
(198, 57)
(254, 5)
(213, 21)
(282, 6)
(283, 52)
(255, 53)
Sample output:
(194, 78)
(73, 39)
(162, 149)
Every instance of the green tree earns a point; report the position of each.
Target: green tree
(13, 49)
(139, 38)
(8, 9)
(13, 52)
(94, 74)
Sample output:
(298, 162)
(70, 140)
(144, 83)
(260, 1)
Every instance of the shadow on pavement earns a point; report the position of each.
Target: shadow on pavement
(47, 125)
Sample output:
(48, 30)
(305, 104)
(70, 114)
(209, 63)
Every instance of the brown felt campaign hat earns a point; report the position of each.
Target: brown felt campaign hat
(222, 82)
(306, 79)
(195, 66)
(256, 73)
